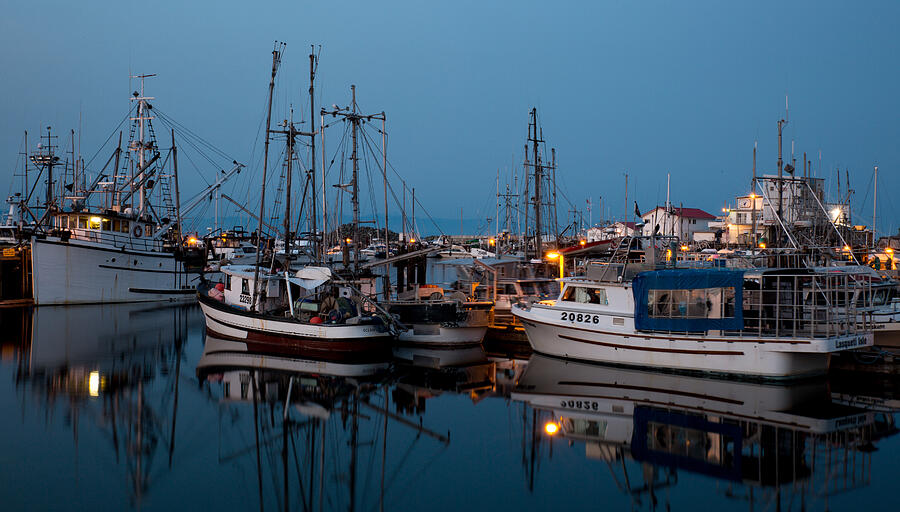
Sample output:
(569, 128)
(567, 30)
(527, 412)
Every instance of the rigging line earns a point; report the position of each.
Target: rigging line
(188, 133)
(190, 142)
(126, 118)
(391, 188)
(340, 146)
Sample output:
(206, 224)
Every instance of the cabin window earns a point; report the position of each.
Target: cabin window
(585, 295)
(115, 225)
(227, 281)
(124, 226)
(245, 288)
(82, 222)
(693, 303)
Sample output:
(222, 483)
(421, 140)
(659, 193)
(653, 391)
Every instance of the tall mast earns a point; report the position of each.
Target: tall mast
(276, 60)
(354, 198)
(177, 192)
(141, 146)
(538, 182)
(312, 152)
(874, 204)
(287, 193)
(355, 118)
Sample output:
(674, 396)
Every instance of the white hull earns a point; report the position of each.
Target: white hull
(622, 344)
(81, 272)
(273, 335)
(438, 335)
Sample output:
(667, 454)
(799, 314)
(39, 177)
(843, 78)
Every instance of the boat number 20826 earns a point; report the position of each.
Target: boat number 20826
(580, 317)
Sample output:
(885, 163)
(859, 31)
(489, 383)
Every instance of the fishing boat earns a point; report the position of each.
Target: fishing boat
(309, 312)
(116, 236)
(437, 318)
(763, 323)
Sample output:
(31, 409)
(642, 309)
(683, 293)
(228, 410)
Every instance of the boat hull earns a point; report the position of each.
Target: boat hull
(289, 337)
(754, 358)
(440, 336)
(78, 272)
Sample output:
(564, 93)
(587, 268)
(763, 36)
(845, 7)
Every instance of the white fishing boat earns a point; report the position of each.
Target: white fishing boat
(777, 323)
(304, 314)
(437, 318)
(114, 236)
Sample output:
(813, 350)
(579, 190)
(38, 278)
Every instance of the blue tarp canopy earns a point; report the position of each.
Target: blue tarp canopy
(687, 279)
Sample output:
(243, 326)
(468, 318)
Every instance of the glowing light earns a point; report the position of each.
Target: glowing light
(835, 214)
(192, 240)
(762, 245)
(752, 196)
(491, 241)
(684, 247)
(889, 250)
(349, 240)
(724, 210)
(551, 428)
(846, 248)
(96, 220)
(94, 384)
(552, 255)
(668, 254)
(412, 240)
(582, 242)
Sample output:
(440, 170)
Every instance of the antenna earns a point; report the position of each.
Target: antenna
(787, 116)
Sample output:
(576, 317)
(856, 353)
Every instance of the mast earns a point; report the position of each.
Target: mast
(354, 198)
(387, 242)
(276, 60)
(287, 193)
(753, 196)
(177, 192)
(874, 204)
(141, 145)
(312, 153)
(355, 118)
(538, 179)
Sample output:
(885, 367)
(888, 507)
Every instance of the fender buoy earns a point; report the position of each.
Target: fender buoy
(138, 231)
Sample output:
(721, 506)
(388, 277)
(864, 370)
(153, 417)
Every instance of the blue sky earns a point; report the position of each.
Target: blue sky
(645, 86)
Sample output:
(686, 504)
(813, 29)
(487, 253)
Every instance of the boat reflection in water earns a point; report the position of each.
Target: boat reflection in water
(318, 429)
(770, 443)
(108, 374)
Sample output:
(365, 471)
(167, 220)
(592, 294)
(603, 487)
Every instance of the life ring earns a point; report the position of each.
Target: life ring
(138, 231)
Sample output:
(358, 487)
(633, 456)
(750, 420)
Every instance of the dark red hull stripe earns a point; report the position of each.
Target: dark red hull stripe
(349, 348)
(654, 349)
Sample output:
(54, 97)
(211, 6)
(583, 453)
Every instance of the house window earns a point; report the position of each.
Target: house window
(585, 295)
(693, 303)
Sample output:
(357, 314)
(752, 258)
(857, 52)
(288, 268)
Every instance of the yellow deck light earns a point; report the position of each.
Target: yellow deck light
(551, 428)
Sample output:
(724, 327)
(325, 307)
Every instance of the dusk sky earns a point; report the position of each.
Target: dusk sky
(647, 87)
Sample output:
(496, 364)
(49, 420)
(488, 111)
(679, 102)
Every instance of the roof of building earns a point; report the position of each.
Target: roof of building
(688, 213)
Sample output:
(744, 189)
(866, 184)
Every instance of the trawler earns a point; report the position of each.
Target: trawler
(114, 237)
(761, 323)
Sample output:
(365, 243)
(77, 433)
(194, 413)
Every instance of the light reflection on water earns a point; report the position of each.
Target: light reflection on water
(132, 407)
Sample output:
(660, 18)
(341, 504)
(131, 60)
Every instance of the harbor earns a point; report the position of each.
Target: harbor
(392, 276)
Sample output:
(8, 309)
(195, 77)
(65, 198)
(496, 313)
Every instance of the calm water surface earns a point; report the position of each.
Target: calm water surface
(133, 407)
